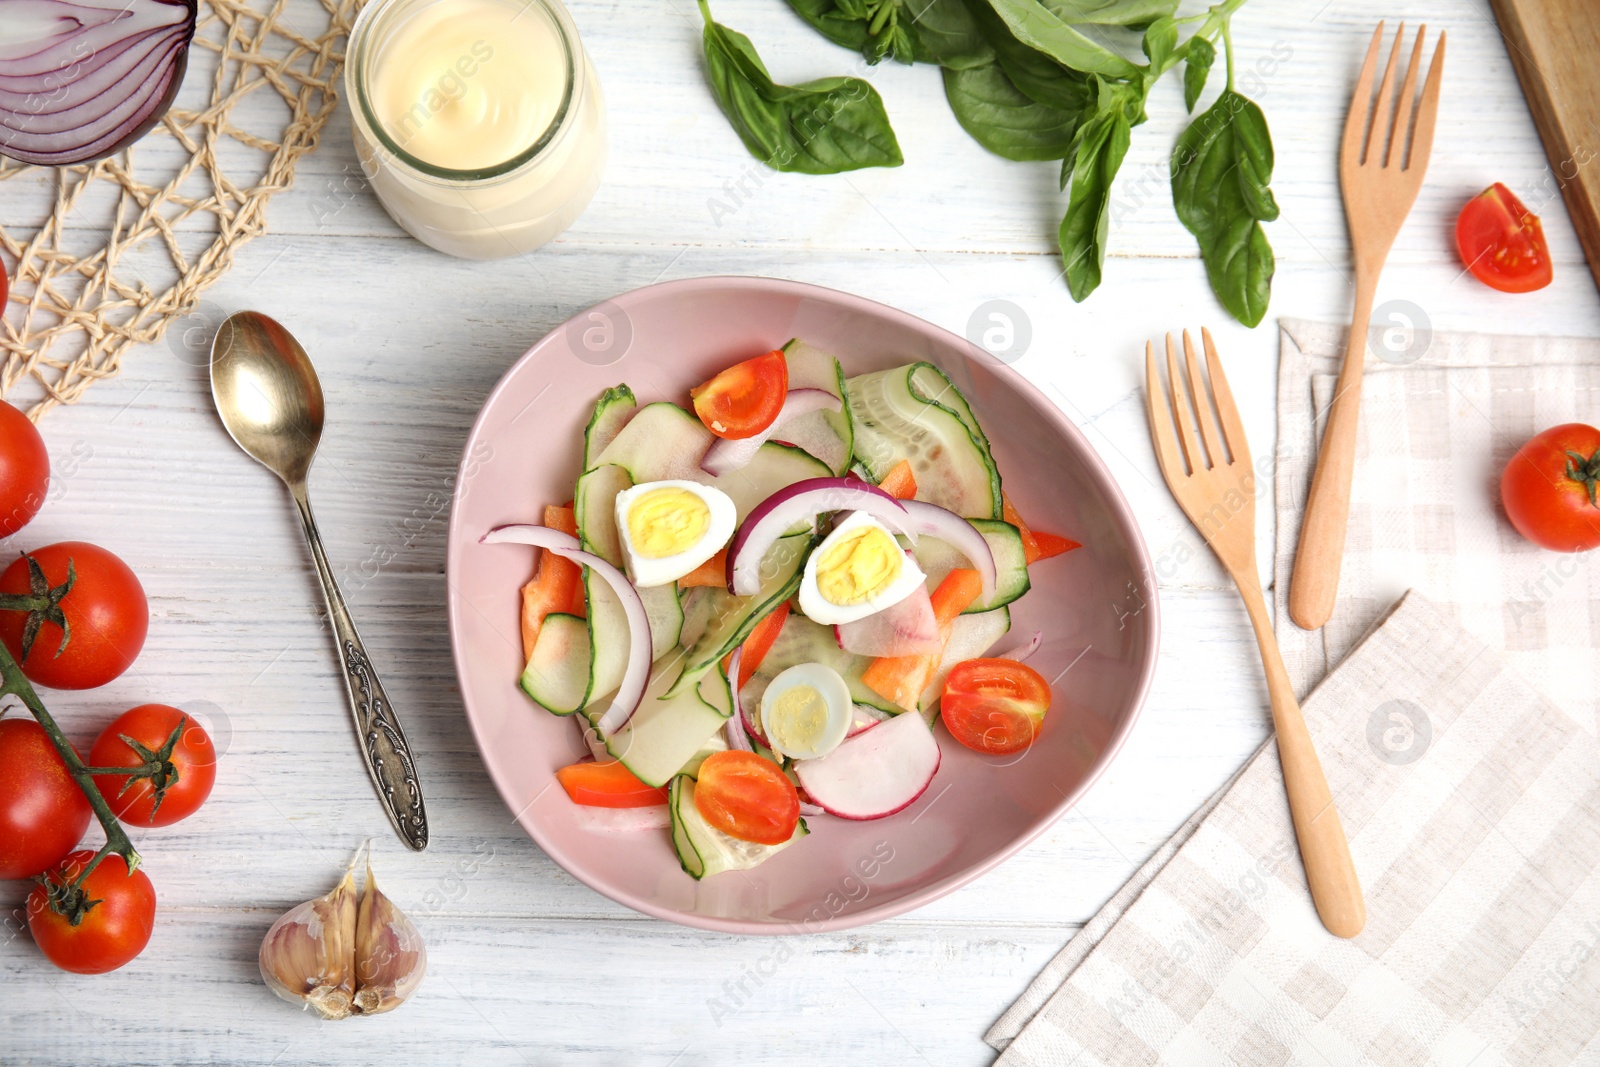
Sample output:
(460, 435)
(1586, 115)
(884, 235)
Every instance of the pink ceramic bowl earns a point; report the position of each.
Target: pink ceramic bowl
(1095, 606)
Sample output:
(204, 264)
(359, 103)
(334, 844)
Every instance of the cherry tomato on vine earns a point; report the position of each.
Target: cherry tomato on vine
(744, 399)
(111, 932)
(43, 813)
(1502, 242)
(1549, 486)
(105, 610)
(994, 705)
(748, 797)
(24, 463)
(186, 770)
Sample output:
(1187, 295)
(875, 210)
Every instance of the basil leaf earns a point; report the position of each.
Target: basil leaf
(1201, 55)
(925, 31)
(1160, 43)
(1005, 120)
(821, 127)
(1111, 12)
(1221, 168)
(1038, 27)
(1041, 78)
(849, 23)
(944, 32)
(1101, 145)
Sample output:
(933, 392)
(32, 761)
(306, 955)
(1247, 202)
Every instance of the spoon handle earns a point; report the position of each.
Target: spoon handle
(383, 743)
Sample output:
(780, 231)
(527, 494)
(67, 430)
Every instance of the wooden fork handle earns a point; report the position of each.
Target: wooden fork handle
(1314, 584)
(1330, 870)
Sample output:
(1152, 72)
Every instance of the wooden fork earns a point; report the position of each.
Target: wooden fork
(1217, 490)
(1380, 182)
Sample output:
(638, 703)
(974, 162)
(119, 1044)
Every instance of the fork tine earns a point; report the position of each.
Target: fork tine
(1355, 122)
(1395, 153)
(1232, 427)
(1181, 411)
(1380, 111)
(1160, 420)
(1427, 111)
(1208, 425)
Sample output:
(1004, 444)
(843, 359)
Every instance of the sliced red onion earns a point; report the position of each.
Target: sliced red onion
(1024, 650)
(81, 79)
(637, 675)
(735, 728)
(960, 534)
(907, 628)
(803, 502)
(750, 719)
(725, 455)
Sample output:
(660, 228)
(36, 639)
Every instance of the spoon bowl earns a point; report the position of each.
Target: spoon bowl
(267, 394)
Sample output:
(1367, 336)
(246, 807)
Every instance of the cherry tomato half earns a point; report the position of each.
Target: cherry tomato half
(748, 797)
(744, 399)
(1502, 242)
(1549, 486)
(994, 705)
(43, 813)
(24, 463)
(607, 784)
(106, 610)
(112, 932)
(193, 761)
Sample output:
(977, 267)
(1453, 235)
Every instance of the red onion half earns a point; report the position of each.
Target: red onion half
(637, 675)
(81, 79)
(803, 502)
(726, 455)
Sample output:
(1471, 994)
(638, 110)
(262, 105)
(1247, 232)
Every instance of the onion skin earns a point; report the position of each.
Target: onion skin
(109, 117)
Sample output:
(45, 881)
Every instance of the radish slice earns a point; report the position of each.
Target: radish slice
(724, 455)
(960, 534)
(735, 728)
(803, 502)
(864, 719)
(637, 674)
(876, 773)
(908, 628)
(1024, 650)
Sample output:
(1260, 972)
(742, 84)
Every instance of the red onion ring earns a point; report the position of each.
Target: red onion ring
(803, 502)
(637, 674)
(724, 455)
(960, 534)
(735, 728)
(1024, 650)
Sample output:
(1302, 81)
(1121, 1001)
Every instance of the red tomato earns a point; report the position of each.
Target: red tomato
(189, 771)
(747, 797)
(1548, 488)
(1502, 242)
(744, 399)
(607, 784)
(24, 463)
(112, 932)
(994, 705)
(106, 610)
(43, 813)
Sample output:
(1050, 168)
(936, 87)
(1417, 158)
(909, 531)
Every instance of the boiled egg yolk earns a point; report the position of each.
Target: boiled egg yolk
(666, 521)
(798, 719)
(806, 711)
(858, 566)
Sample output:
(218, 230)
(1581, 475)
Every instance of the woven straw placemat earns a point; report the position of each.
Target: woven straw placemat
(106, 255)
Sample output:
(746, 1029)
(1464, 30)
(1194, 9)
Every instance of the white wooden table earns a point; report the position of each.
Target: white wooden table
(527, 965)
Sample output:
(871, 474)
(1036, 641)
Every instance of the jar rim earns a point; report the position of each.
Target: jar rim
(365, 31)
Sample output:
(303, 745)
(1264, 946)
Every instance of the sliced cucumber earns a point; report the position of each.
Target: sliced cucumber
(557, 677)
(607, 630)
(937, 559)
(731, 618)
(666, 732)
(913, 413)
(594, 508)
(611, 413)
(702, 849)
(971, 636)
(827, 435)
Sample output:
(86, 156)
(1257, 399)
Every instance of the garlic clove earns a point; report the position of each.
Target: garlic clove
(390, 959)
(308, 957)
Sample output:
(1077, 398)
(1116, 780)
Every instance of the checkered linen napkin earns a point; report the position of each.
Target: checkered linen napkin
(1479, 860)
(1478, 845)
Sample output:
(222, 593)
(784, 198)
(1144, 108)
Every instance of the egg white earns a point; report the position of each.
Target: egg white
(644, 571)
(835, 695)
(820, 609)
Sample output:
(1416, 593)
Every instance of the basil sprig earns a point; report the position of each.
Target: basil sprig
(821, 127)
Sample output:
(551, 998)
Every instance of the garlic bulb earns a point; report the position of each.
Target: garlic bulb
(344, 954)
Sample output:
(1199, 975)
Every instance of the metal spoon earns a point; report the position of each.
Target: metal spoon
(270, 401)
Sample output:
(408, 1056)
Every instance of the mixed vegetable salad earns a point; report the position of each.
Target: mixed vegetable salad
(757, 606)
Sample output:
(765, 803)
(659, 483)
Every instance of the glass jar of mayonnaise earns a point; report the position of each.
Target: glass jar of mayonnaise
(479, 123)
